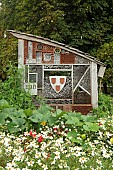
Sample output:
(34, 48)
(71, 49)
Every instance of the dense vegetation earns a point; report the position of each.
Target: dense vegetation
(83, 24)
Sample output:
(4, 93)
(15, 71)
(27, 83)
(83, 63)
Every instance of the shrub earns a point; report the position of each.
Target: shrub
(12, 91)
(105, 106)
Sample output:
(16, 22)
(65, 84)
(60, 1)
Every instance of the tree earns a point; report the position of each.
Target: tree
(105, 54)
(8, 56)
(91, 23)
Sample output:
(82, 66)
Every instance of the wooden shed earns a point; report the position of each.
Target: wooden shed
(66, 77)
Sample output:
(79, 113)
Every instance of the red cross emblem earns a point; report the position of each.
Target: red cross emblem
(57, 82)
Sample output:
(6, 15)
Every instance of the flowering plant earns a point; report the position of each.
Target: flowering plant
(68, 141)
(52, 148)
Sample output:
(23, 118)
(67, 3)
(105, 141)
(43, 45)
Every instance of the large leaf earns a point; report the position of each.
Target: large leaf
(36, 116)
(73, 120)
(85, 127)
(91, 127)
(9, 112)
(3, 104)
(19, 122)
(88, 118)
(59, 113)
(51, 120)
(20, 113)
(72, 134)
(28, 112)
(94, 127)
(12, 128)
(73, 137)
(2, 121)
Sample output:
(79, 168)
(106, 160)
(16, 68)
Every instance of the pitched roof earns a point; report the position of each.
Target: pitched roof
(31, 37)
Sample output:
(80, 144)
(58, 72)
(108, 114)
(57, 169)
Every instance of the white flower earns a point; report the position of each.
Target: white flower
(6, 141)
(91, 168)
(26, 168)
(99, 162)
(106, 155)
(57, 155)
(59, 142)
(45, 167)
(37, 155)
(108, 134)
(60, 166)
(9, 149)
(100, 134)
(17, 158)
(82, 160)
(44, 154)
(96, 141)
(39, 162)
(30, 163)
(10, 165)
(77, 153)
(77, 148)
(53, 163)
(93, 153)
(43, 146)
(26, 133)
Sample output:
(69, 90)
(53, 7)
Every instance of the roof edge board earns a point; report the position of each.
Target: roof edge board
(40, 39)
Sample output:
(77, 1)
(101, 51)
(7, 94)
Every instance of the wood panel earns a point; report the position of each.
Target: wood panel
(34, 49)
(67, 58)
(25, 50)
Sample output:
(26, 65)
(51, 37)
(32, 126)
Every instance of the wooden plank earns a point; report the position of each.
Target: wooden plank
(20, 53)
(94, 85)
(30, 48)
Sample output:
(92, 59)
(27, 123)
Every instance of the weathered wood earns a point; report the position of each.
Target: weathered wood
(20, 53)
(94, 85)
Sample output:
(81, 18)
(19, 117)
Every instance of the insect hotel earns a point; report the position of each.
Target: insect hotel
(64, 76)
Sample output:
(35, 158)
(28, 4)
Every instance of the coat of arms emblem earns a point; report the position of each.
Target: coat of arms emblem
(57, 82)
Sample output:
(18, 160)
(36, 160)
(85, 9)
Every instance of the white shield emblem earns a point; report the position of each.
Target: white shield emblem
(57, 82)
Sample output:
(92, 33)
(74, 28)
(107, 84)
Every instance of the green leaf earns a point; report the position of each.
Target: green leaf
(2, 121)
(85, 127)
(19, 122)
(51, 120)
(94, 127)
(3, 104)
(72, 134)
(28, 112)
(73, 120)
(12, 128)
(91, 127)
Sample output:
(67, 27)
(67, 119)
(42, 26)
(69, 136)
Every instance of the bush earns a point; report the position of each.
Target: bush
(105, 106)
(12, 91)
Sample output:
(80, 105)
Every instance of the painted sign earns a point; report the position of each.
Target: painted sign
(57, 82)
(101, 71)
(31, 88)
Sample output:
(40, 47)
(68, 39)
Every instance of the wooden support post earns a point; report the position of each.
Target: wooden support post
(100, 88)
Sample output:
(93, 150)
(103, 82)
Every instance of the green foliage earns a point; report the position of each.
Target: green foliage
(105, 54)
(83, 124)
(14, 120)
(83, 24)
(67, 139)
(3, 104)
(12, 91)
(105, 106)
(8, 56)
(11, 119)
